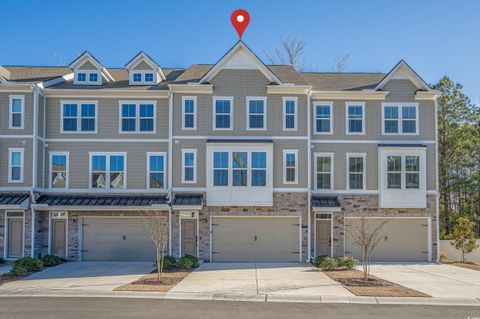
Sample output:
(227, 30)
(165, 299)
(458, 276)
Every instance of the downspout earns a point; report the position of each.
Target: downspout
(44, 144)
(170, 170)
(34, 163)
(437, 198)
(309, 177)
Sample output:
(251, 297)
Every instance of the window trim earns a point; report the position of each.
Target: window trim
(315, 104)
(67, 169)
(79, 116)
(347, 170)
(332, 173)
(347, 119)
(185, 98)
(137, 116)
(400, 105)
(142, 77)
(221, 98)
(164, 154)
(285, 152)
(107, 170)
(22, 112)
(247, 109)
(194, 152)
(22, 164)
(285, 99)
(87, 77)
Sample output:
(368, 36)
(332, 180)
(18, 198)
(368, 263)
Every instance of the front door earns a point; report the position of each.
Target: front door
(15, 237)
(189, 237)
(59, 227)
(324, 238)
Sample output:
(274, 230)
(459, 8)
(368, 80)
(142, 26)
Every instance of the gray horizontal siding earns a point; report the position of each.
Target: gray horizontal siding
(4, 114)
(26, 144)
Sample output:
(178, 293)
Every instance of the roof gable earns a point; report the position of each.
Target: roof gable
(403, 71)
(143, 57)
(86, 57)
(240, 57)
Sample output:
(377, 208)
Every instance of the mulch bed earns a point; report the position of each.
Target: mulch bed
(170, 278)
(468, 265)
(352, 280)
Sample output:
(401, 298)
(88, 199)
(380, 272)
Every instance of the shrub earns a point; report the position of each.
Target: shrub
(18, 270)
(51, 260)
(187, 262)
(29, 263)
(318, 260)
(443, 257)
(347, 262)
(328, 264)
(169, 262)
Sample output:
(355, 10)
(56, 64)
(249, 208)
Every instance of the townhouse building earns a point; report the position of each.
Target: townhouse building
(245, 161)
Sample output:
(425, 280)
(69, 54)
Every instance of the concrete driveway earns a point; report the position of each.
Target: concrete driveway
(97, 276)
(433, 279)
(252, 279)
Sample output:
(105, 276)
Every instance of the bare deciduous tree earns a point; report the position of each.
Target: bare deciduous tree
(157, 227)
(340, 63)
(290, 52)
(366, 235)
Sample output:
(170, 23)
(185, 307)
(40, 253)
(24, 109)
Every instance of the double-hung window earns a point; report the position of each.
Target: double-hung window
(403, 172)
(222, 113)
(137, 117)
(290, 113)
(220, 169)
(324, 171)
(108, 171)
(259, 168)
(156, 170)
(79, 117)
(16, 114)
(240, 168)
(256, 113)
(59, 170)
(15, 165)
(400, 118)
(189, 166)
(189, 115)
(290, 167)
(323, 118)
(356, 171)
(355, 118)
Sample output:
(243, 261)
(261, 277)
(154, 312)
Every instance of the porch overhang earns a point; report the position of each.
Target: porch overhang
(187, 201)
(322, 204)
(14, 201)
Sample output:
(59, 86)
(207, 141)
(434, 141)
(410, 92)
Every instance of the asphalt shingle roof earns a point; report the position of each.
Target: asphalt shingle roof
(102, 200)
(32, 74)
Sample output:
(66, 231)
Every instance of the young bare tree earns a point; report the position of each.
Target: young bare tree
(157, 227)
(366, 235)
(340, 63)
(290, 52)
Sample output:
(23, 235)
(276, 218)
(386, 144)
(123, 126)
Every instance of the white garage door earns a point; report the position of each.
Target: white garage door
(402, 239)
(262, 239)
(116, 239)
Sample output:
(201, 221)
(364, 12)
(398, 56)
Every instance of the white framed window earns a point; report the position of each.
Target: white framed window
(400, 119)
(189, 166)
(16, 117)
(15, 165)
(355, 118)
(156, 170)
(290, 113)
(324, 171)
(239, 169)
(59, 170)
(256, 113)
(108, 170)
(323, 117)
(78, 116)
(290, 166)
(137, 117)
(142, 77)
(222, 113)
(189, 112)
(403, 172)
(356, 171)
(87, 77)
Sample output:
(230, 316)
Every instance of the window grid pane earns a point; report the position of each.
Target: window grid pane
(157, 173)
(355, 167)
(322, 118)
(59, 171)
(189, 166)
(324, 172)
(222, 114)
(256, 112)
(290, 165)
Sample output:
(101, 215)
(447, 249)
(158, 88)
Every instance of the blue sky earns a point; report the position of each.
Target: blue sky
(434, 37)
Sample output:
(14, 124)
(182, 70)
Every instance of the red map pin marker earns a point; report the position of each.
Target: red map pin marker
(240, 19)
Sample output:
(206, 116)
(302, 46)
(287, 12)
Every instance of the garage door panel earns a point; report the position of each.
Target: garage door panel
(243, 239)
(117, 239)
(402, 239)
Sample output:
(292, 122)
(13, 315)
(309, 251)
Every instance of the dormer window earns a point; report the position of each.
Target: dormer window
(142, 77)
(148, 77)
(137, 77)
(87, 77)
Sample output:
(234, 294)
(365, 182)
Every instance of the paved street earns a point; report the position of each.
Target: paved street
(80, 308)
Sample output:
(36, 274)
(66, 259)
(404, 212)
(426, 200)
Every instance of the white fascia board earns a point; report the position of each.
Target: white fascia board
(86, 56)
(142, 56)
(288, 89)
(191, 88)
(412, 75)
(118, 93)
(361, 95)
